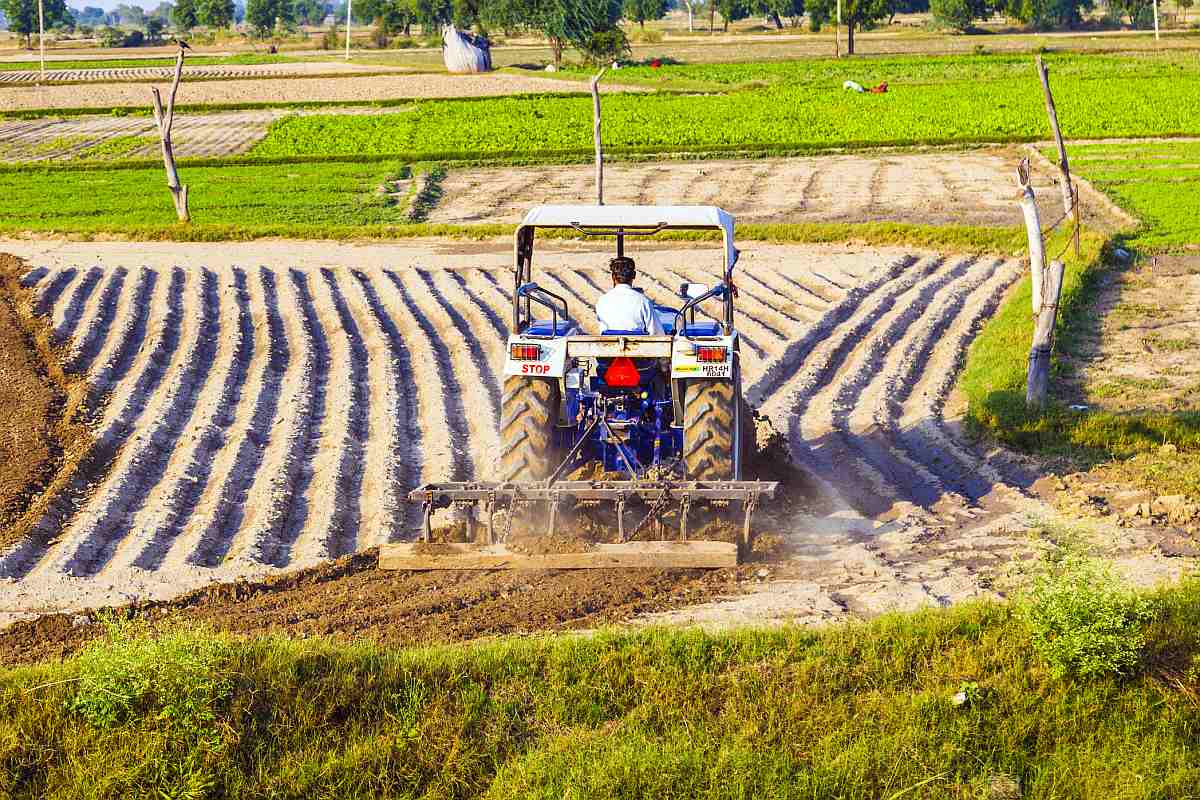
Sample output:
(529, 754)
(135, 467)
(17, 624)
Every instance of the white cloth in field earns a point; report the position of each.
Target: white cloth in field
(623, 308)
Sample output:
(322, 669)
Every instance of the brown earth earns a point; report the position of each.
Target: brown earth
(352, 598)
(290, 90)
(36, 435)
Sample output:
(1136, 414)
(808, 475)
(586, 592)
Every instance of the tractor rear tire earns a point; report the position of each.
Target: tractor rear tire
(528, 414)
(710, 429)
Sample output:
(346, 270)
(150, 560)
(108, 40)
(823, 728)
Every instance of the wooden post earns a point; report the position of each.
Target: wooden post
(837, 32)
(1038, 379)
(595, 83)
(1070, 206)
(179, 193)
(1033, 231)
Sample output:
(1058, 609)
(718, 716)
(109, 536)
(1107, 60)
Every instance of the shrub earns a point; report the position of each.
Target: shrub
(176, 678)
(329, 39)
(134, 39)
(1084, 621)
(111, 37)
(605, 46)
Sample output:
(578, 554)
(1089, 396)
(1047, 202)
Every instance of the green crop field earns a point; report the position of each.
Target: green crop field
(1158, 182)
(81, 200)
(941, 101)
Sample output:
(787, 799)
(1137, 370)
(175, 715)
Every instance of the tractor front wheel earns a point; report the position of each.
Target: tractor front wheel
(710, 430)
(528, 413)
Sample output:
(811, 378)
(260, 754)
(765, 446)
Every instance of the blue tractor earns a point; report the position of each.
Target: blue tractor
(662, 416)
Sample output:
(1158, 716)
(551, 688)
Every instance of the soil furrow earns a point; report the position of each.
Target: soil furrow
(98, 325)
(43, 550)
(33, 277)
(143, 461)
(224, 516)
(448, 409)
(295, 496)
(173, 503)
(407, 454)
(498, 320)
(483, 352)
(64, 327)
(860, 382)
(49, 295)
(777, 375)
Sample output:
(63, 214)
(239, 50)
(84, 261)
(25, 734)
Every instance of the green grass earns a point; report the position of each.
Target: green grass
(858, 711)
(271, 197)
(1158, 182)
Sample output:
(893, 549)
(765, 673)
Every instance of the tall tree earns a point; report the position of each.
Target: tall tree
(131, 15)
(959, 14)
(641, 10)
(215, 13)
(22, 16)
(183, 15)
(775, 10)
(577, 23)
(1046, 14)
(262, 15)
(732, 11)
(855, 14)
(308, 12)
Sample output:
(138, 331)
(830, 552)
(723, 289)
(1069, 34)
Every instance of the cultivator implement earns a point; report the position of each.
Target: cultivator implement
(490, 549)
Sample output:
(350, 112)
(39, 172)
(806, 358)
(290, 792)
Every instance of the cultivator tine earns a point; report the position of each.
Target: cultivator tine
(749, 506)
(489, 506)
(554, 500)
(427, 521)
(621, 518)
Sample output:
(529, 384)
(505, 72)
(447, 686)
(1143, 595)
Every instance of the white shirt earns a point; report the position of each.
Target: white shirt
(623, 308)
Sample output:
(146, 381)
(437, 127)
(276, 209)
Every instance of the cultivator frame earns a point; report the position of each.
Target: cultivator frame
(661, 496)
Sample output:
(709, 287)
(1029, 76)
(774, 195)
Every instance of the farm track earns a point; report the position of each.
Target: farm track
(202, 72)
(249, 420)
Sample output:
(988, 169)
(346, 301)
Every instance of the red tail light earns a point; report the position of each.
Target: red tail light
(622, 372)
(711, 354)
(525, 352)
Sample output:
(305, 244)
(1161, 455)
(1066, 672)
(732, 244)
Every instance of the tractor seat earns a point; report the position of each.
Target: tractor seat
(546, 327)
(702, 329)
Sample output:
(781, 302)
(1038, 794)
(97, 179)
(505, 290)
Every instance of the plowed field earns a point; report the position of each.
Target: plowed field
(249, 419)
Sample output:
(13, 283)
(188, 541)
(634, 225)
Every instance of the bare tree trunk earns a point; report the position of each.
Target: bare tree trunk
(1070, 206)
(1033, 231)
(778, 22)
(595, 83)
(1037, 382)
(850, 38)
(179, 193)
(712, 16)
(691, 16)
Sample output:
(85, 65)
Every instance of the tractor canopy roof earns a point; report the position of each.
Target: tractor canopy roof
(610, 219)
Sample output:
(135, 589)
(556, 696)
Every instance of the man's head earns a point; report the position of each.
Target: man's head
(623, 270)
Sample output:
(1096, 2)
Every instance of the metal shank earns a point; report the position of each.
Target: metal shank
(441, 495)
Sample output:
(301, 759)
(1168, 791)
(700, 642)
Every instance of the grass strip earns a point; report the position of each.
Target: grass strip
(863, 710)
(994, 384)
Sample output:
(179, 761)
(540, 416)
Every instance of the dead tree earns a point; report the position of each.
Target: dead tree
(595, 83)
(1047, 286)
(1069, 194)
(179, 193)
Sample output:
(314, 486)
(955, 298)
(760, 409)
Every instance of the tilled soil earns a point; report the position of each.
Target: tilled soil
(201, 72)
(352, 599)
(253, 419)
(291, 90)
(250, 420)
(937, 188)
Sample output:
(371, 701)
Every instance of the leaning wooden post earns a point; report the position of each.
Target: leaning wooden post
(1038, 380)
(595, 82)
(179, 193)
(1033, 231)
(1070, 197)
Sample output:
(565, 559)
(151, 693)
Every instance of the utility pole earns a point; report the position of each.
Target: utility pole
(595, 82)
(837, 32)
(1155, 4)
(349, 3)
(42, 38)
